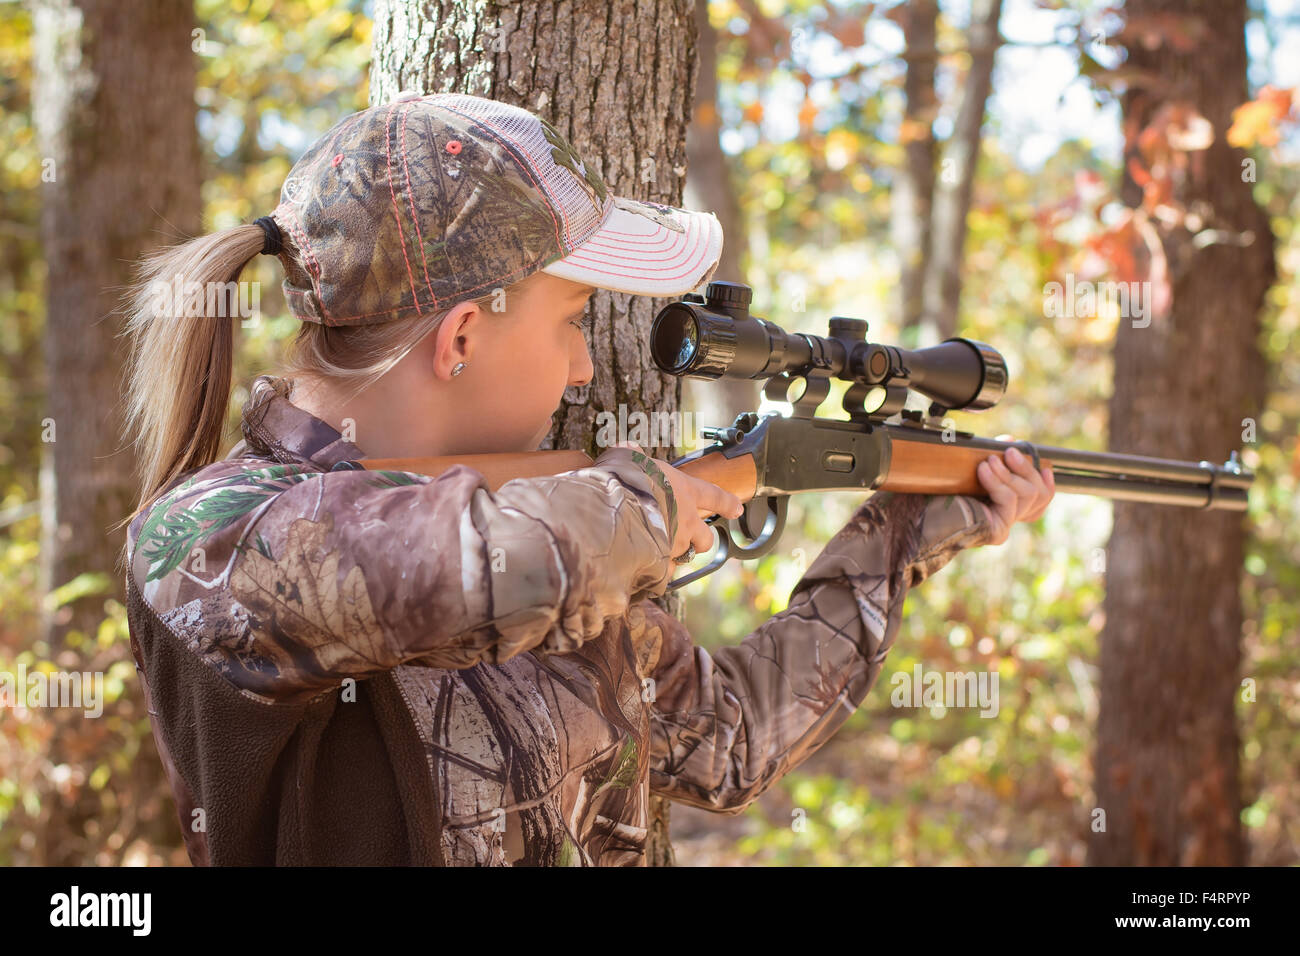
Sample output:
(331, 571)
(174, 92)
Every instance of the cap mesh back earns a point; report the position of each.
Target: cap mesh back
(578, 200)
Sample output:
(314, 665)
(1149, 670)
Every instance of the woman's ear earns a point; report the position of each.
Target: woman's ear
(453, 340)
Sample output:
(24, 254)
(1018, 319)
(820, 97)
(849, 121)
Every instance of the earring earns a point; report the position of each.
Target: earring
(459, 367)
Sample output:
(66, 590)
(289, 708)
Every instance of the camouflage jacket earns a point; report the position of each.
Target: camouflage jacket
(347, 666)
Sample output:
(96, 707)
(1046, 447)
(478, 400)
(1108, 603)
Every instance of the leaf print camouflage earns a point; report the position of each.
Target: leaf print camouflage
(301, 597)
(565, 155)
(438, 234)
(541, 703)
(661, 215)
(169, 537)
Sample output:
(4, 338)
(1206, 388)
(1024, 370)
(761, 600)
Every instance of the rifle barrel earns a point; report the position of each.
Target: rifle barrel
(1152, 492)
(1139, 466)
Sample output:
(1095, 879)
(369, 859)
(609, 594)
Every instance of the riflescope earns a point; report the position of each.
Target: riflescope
(714, 336)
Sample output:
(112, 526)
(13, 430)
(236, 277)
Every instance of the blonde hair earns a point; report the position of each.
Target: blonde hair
(182, 350)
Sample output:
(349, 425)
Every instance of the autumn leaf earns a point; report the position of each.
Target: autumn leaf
(301, 593)
(807, 113)
(1138, 172)
(1255, 123)
(706, 114)
(911, 131)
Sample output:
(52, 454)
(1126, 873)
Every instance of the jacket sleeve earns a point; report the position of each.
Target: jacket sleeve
(725, 725)
(312, 577)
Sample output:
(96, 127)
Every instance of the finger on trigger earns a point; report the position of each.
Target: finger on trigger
(723, 502)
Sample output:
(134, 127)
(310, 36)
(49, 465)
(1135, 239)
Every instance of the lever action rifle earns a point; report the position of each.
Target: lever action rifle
(765, 459)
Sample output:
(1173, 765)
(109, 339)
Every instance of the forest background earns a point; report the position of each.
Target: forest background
(804, 108)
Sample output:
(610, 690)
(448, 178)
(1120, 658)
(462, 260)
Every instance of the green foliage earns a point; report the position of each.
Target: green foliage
(168, 536)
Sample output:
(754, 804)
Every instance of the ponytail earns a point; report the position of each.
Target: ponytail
(182, 354)
(183, 343)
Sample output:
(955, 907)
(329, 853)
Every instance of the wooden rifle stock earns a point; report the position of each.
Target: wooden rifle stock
(736, 475)
(924, 468)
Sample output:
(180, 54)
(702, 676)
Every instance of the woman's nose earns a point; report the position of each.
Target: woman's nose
(581, 368)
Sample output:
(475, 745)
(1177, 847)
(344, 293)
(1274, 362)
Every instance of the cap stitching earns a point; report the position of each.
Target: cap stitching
(299, 233)
(397, 217)
(314, 277)
(341, 319)
(410, 198)
(690, 267)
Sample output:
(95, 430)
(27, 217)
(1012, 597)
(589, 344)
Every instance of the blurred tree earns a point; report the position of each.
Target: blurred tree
(709, 187)
(913, 192)
(113, 102)
(955, 186)
(115, 173)
(524, 55)
(1188, 374)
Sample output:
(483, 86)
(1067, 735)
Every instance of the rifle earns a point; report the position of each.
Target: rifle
(765, 459)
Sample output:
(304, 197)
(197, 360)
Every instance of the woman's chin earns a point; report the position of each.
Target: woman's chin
(541, 435)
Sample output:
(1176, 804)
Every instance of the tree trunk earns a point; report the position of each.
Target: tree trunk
(1167, 750)
(616, 78)
(913, 192)
(709, 188)
(957, 179)
(113, 103)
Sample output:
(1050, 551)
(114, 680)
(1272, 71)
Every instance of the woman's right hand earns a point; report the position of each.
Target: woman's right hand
(696, 499)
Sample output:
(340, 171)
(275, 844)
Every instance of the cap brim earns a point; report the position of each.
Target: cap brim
(646, 249)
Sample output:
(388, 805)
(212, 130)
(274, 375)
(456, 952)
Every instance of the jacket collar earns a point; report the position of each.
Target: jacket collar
(276, 428)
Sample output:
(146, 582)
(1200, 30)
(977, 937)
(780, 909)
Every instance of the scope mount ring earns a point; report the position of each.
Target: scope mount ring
(816, 387)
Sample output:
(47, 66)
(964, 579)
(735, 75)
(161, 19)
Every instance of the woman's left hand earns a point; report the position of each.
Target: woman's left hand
(1017, 491)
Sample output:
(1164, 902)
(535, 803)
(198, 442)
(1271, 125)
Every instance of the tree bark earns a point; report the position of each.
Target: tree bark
(113, 102)
(616, 78)
(957, 179)
(709, 188)
(1167, 749)
(913, 193)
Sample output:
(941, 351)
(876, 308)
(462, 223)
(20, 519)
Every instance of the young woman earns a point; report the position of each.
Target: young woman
(349, 666)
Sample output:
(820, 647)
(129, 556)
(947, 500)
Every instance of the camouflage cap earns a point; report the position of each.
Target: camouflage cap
(407, 208)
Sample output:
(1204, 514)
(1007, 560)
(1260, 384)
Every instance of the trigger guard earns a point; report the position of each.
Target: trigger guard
(729, 547)
(718, 560)
(773, 524)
